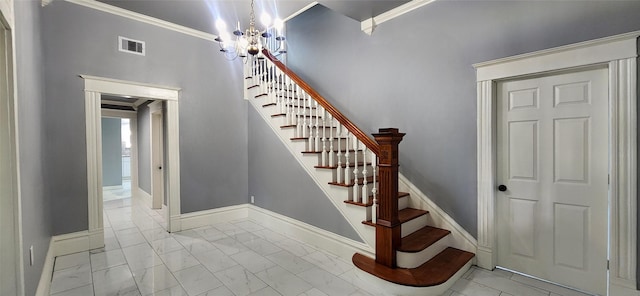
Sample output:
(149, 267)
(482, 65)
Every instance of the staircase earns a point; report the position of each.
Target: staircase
(360, 177)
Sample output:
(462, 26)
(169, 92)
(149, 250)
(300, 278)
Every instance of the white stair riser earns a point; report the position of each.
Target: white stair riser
(403, 203)
(413, 260)
(414, 225)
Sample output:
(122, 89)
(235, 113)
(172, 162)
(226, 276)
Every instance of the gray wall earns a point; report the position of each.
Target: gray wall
(144, 148)
(415, 73)
(36, 218)
(281, 185)
(111, 151)
(213, 118)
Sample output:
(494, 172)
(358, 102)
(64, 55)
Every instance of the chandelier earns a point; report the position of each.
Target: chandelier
(251, 41)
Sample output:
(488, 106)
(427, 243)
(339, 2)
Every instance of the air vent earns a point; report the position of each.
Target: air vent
(131, 46)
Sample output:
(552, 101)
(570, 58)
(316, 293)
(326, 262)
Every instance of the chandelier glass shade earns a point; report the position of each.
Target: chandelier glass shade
(250, 42)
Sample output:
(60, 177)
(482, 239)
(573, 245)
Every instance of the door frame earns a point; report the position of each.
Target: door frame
(8, 98)
(133, 125)
(619, 54)
(93, 88)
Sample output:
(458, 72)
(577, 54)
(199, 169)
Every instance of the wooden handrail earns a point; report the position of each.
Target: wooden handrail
(362, 136)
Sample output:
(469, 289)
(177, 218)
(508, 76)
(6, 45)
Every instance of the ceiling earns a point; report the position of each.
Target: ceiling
(202, 14)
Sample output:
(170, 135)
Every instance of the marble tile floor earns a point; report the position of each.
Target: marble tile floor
(117, 192)
(236, 258)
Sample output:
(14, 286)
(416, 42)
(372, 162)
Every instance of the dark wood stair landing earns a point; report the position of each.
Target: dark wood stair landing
(432, 273)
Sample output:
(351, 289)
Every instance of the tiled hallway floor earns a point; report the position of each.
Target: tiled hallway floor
(236, 258)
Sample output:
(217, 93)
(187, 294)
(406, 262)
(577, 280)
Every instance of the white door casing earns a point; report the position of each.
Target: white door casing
(157, 155)
(552, 155)
(11, 270)
(94, 86)
(617, 53)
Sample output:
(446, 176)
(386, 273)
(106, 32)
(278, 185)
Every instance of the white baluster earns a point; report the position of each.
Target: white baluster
(355, 188)
(305, 125)
(365, 191)
(332, 154)
(312, 131)
(299, 112)
(316, 144)
(325, 158)
(339, 169)
(347, 179)
(290, 116)
(374, 190)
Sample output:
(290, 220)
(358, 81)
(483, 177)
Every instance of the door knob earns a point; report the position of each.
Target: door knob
(502, 188)
(160, 167)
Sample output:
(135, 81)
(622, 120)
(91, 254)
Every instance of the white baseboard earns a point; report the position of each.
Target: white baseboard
(143, 196)
(309, 234)
(70, 243)
(208, 217)
(61, 245)
(44, 286)
(620, 287)
(438, 218)
(114, 187)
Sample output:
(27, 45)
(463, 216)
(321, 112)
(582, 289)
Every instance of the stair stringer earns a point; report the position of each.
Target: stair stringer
(459, 237)
(353, 214)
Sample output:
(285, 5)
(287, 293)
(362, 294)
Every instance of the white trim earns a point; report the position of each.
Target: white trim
(131, 115)
(623, 174)
(213, 216)
(596, 51)
(61, 245)
(312, 235)
(10, 101)
(94, 160)
(129, 88)
(144, 196)
(301, 10)
(155, 106)
(70, 243)
(369, 25)
(44, 285)
(461, 239)
(94, 86)
(142, 18)
(156, 21)
(618, 53)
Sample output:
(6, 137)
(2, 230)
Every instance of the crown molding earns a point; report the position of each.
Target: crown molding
(140, 17)
(312, 4)
(370, 24)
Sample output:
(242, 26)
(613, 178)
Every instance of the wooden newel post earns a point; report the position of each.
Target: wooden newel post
(388, 226)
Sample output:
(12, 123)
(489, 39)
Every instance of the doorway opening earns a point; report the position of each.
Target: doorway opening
(95, 87)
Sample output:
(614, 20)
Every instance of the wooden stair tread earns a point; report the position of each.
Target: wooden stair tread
(351, 184)
(285, 114)
(422, 239)
(344, 165)
(408, 214)
(433, 272)
(295, 125)
(335, 151)
(404, 215)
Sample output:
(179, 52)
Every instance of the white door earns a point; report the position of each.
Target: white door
(157, 160)
(8, 175)
(553, 159)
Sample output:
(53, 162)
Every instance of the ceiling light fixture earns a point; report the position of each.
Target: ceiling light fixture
(252, 40)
